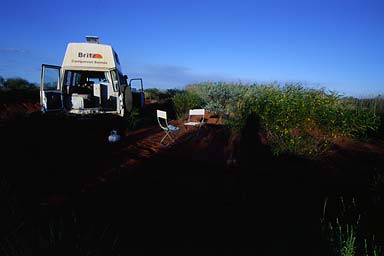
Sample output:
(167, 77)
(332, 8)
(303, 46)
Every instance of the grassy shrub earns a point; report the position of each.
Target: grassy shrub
(152, 94)
(294, 119)
(342, 231)
(225, 100)
(219, 97)
(374, 105)
(183, 101)
(132, 119)
(303, 121)
(156, 95)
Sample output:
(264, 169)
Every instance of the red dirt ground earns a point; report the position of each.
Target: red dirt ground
(181, 196)
(9, 111)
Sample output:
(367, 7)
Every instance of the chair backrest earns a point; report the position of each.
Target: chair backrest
(197, 112)
(162, 115)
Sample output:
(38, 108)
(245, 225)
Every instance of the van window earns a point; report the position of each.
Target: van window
(51, 79)
(78, 78)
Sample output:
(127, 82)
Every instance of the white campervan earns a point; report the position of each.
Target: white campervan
(90, 81)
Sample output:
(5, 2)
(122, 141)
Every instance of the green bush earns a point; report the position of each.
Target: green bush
(132, 119)
(152, 94)
(17, 83)
(374, 105)
(157, 95)
(219, 97)
(303, 121)
(294, 119)
(183, 101)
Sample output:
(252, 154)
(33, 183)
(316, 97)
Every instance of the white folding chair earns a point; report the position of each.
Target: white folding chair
(167, 128)
(195, 117)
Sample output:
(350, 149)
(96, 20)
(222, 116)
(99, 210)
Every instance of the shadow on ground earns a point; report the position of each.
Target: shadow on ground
(183, 199)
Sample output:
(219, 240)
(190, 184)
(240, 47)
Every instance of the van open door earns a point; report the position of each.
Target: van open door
(137, 92)
(51, 98)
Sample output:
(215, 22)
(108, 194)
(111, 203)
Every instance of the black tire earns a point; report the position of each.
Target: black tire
(127, 100)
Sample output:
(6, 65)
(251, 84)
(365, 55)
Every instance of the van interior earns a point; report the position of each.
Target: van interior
(89, 90)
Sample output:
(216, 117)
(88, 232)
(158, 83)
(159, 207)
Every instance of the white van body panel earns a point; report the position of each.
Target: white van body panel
(90, 56)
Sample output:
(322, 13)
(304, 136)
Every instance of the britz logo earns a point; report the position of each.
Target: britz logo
(90, 55)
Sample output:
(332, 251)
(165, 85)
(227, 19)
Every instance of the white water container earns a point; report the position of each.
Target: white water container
(113, 137)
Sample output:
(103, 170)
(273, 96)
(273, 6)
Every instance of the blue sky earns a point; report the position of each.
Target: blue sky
(338, 45)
